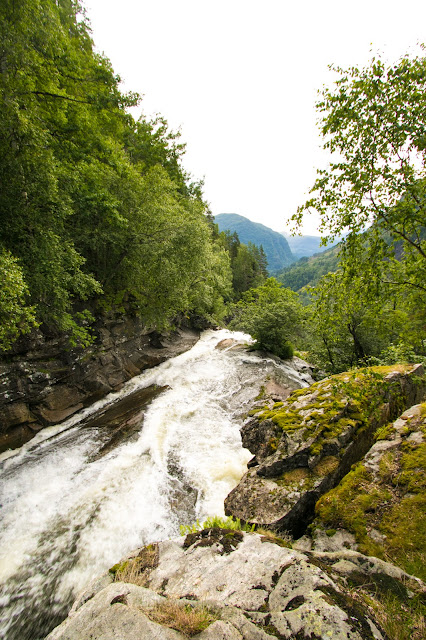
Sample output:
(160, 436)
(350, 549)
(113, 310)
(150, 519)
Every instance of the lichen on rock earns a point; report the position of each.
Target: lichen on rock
(382, 500)
(256, 591)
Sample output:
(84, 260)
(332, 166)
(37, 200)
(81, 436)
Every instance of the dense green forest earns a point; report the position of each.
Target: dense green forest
(98, 213)
(309, 270)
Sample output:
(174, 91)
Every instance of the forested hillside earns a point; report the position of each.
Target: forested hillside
(309, 270)
(365, 300)
(99, 215)
(97, 211)
(277, 250)
(372, 123)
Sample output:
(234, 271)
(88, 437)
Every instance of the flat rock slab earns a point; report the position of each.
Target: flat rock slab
(120, 421)
(116, 613)
(256, 590)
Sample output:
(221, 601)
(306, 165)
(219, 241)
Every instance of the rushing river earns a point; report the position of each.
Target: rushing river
(67, 514)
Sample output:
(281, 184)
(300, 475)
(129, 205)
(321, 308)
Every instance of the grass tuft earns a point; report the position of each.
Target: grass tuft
(182, 617)
(399, 619)
(137, 570)
(216, 522)
(268, 535)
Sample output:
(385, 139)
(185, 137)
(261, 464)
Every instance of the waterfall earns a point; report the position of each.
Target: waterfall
(68, 514)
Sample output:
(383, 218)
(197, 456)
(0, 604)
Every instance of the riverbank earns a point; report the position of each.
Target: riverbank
(357, 571)
(44, 382)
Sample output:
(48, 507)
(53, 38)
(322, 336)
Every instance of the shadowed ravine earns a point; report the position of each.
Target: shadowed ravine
(81, 495)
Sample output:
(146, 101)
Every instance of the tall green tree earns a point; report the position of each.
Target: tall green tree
(348, 325)
(162, 251)
(16, 317)
(248, 262)
(271, 314)
(54, 91)
(373, 123)
(248, 268)
(94, 204)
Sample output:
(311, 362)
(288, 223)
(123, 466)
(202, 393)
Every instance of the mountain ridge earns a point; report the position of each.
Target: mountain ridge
(305, 246)
(276, 247)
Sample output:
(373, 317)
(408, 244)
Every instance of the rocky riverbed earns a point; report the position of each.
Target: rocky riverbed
(254, 587)
(163, 450)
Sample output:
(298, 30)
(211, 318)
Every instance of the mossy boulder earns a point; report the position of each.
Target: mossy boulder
(382, 500)
(320, 433)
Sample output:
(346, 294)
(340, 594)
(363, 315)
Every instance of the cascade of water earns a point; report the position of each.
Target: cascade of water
(67, 514)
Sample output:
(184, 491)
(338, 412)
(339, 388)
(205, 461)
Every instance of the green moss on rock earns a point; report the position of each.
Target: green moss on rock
(385, 510)
(328, 408)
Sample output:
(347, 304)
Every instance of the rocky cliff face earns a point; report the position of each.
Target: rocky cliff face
(45, 382)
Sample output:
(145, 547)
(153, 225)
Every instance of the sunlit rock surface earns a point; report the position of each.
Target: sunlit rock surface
(256, 588)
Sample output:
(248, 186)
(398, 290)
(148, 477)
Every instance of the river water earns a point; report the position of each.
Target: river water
(67, 514)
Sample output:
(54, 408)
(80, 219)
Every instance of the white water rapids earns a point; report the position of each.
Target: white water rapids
(67, 516)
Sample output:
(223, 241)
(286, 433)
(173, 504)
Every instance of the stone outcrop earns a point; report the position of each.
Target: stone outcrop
(253, 588)
(305, 445)
(381, 503)
(45, 382)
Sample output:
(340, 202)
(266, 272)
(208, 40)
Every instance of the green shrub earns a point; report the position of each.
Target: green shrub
(217, 522)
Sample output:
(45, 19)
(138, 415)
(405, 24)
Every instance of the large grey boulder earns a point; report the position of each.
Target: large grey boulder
(257, 590)
(115, 612)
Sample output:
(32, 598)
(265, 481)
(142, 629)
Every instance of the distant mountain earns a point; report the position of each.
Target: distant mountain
(276, 247)
(309, 270)
(305, 246)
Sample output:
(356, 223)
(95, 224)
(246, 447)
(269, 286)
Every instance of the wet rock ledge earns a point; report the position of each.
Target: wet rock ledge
(43, 382)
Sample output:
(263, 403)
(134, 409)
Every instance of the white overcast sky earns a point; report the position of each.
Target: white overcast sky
(240, 79)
